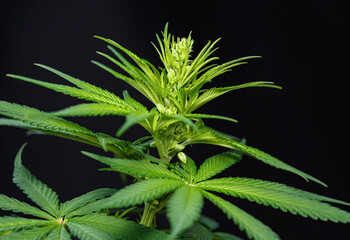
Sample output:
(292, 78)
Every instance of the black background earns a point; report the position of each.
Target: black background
(305, 50)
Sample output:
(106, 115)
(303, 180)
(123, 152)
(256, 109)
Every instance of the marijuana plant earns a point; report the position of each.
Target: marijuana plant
(170, 179)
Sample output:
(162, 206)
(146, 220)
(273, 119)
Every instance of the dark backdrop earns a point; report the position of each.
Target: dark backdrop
(304, 45)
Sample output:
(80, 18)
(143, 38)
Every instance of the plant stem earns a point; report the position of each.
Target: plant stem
(151, 209)
(149, 213)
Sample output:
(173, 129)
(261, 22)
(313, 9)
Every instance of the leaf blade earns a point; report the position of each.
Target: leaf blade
(183, 208)
(216, 164)
(141, 192)
(278, 196)
(253, 227)
(135, 167)
(36, 190)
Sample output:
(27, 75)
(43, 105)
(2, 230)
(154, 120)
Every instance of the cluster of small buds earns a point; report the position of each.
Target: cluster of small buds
(180, 52)
(181, 49)
(169, 110)
(171, 76)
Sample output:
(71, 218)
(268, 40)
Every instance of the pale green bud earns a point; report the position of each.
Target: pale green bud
(182, 157)
(160, 108)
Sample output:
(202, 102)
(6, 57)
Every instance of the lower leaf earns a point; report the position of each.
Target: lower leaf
(253, 227)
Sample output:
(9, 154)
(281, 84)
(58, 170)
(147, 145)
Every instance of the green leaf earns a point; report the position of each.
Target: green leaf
(119, 228)
(60, 233)
(254, 228)
(71, 91)
(86, 232)
(183, 208)
(200, 115)
(139, 85)
(140, 192)
(208, 222)
(132, 102)
(217, 164)
(40, 120)
(190, 167)
(183, 119)
(227, 236)
(132, 119)
(17, 223)
(212, 93)
(87, 86)
(197, 232)
(79, 137)
(31, 234)
(278, 196)
(37, 191)
(71, 205)
(135, 167)
(12, 204)
(208, 136)
(92, 109)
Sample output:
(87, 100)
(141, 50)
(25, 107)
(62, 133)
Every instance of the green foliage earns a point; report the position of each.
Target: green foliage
(61, 221)
(183, 209)
(176, 90)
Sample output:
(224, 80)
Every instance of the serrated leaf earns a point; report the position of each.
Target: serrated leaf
(208, 222)
(40, 120)
(60, 233)
(71, 205)
(183, 119)
(254, 228)
(227, 236)
(208, 136)
(135, 167)
(84, 85)
(85, 232)
(31, 234)
(119, 228)
(12, 204)
(17, 223)
(37, 191)
(183, 208)
(92, 109)
(132, 119)
(131, 101)
(200, 115)
(190, 167)
(212, 93)
(278, 196)
(197, 232)
(71, 91)
(216, 164)
(140, 192)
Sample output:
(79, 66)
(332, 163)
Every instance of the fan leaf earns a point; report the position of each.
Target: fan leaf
(37, 233)
(60, 233)
(119, 228)
(8, 223)
(71, 205)
(141, 192)
(217, 164)
(278, 196)
(12, 204)
(85, 232)
(40, 120)
(208, 136)
(254, 228)
(135, 167)
(92, 109)
(183, 208)
(37, 191)
(132, 119)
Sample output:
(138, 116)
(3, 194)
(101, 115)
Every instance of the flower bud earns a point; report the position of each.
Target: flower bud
(182, 157)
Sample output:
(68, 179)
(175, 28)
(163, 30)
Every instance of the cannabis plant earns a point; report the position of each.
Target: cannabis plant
(166, 179)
